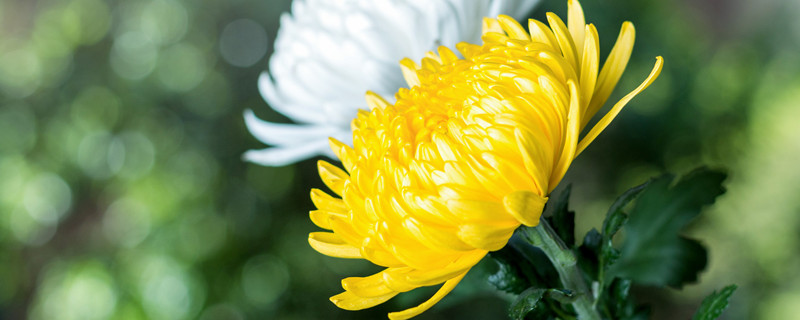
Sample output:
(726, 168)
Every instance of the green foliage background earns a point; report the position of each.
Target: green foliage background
(123, 195)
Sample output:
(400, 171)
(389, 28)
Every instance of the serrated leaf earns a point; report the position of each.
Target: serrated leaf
(525, 303)
(561, 219)
(653, 252)
(714, 304)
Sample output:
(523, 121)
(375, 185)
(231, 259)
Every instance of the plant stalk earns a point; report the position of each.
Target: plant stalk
(565, 262)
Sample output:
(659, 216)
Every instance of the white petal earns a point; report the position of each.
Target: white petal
(282, 134)
(285, 155)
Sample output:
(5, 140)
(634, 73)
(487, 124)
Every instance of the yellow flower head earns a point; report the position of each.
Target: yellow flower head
(466, 155)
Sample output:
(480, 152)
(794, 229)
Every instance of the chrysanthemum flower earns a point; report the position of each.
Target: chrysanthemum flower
(466, 155)
(329, 53)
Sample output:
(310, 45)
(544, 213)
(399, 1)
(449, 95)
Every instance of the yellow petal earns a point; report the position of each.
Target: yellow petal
(613, 67)
(603, 123)
(468, 50)
(571, 139)
(536, 157)
(349, 301)
(374, 101)
(447, 55)
(541, 33)
(330, 244)
(430, 277)
(486, 236)
(526, 206)
(589, 67)
(332, 176)
(435, 237)
(564, 39)
(443, 291)
(366, 287)
(322, 218)
(476, 211)
(345, 153)
(434, 56)
(410, 68)
(324, 201)
(513, 28)
(491, 25)
(576, 23)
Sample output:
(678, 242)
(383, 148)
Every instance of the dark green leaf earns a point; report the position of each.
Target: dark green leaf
(525, 303)
(615, 219)
(508, 278)
(714, 304)
(619, 292)
(620, 304)
(588, 253)
(653, 252)
(522, 266)
(561, 219)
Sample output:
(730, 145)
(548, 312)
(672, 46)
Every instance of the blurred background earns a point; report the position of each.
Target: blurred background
(123, 194)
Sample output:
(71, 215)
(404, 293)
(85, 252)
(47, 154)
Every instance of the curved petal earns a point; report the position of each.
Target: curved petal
(283, 134)
(603, 123)
(299, 113)
(443, 291)
(286, 155)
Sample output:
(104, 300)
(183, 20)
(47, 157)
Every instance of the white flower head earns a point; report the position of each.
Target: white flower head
(328, 54)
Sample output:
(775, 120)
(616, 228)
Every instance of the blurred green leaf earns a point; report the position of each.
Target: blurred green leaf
(653, 251)
(714, 304)
(525, 303)
(620, 305)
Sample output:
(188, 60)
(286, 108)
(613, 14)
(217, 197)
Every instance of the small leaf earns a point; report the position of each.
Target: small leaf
(525, 303)
(508, 278)
(714, 304)
(522, 266)
(615, 219)
(561, 218)
(561, 295)
(653, 252)
(589, 252)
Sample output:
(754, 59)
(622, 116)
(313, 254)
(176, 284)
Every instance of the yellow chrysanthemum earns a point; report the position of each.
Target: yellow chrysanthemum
(466, 155)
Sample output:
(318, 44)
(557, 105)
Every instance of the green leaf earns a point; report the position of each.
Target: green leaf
(714, 304)
(561, 295)
(615, 217)
(620, 305)
(561, 218)
(525, 303)
(508, 278)
(589, 252)
(522, 266)
(653, 251)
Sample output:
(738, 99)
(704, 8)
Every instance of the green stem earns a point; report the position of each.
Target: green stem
(544, 237)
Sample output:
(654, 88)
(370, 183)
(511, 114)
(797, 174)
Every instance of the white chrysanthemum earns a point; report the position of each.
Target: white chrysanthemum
(329, 53)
